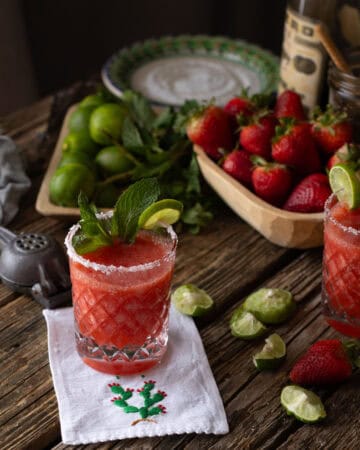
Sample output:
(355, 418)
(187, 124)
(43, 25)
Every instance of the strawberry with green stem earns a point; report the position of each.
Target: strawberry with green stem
(348, 153)
(238, 164)
(257, 132)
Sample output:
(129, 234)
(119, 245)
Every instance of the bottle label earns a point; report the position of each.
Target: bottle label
(303, 59)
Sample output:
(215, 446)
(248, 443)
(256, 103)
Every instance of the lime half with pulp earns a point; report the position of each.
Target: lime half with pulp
(270, 305)
(302, 403)
(245, 325)
(191, 300)
(167, 211)
(345, 184)
(272, 354)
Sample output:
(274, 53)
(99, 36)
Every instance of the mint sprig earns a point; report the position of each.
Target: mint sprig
(96, 232)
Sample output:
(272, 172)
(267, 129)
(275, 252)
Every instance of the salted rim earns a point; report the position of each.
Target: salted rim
(327, 211)
(112, 268)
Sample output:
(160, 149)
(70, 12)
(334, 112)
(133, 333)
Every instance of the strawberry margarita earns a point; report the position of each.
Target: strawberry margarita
(121, 301)
(341, 267)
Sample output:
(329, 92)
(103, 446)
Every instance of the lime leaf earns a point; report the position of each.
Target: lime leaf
(130, 205)
(245, 325)
(345, 183)
(272, 354)
(166, 211)
(302, 403)
(191, 300)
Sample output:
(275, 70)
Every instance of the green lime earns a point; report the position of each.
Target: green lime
(93, 100)
(80, 118)
(112, 160)
(106, 123)
(79, 141)
(345, 183)
(272, 354)
(245, 325)
(68, 181)
(166, 211)
(191, 300)
(270, 306)
(106, 195)
(72, 157)
(302, 403)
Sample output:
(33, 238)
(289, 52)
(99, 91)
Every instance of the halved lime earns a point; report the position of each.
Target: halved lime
(302, 403)
(272, 354)
(345, 184)
(245, 325)
(166, 211)
(191, 300)
(270, 305)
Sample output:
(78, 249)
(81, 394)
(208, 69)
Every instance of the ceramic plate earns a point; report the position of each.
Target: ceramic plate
(170, 70)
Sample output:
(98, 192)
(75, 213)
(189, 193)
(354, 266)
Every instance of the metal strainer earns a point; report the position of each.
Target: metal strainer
(35, 264)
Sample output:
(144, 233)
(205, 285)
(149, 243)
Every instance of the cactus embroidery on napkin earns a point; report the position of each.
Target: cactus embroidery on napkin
(149, 401)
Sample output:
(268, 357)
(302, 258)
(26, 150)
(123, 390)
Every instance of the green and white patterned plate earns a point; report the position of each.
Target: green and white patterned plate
(170, 70)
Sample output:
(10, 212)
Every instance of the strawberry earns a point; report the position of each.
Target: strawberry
(326, 362)
(294, 146)
(289, 104)
(210, 128)
(238, 164)
(331, 129)
(348, 153)
(239, 105)
(255, 137)
(309, 195)
(272, 182)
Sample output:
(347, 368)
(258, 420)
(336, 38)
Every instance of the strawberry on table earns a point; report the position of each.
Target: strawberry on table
(326, 362)
(210, 128)
(294, 146)
(289, 104)
(238, 164)
(331, 129)
(310, 195)
(256, 135)
(271, 181)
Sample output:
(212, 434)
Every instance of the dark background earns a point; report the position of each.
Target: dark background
(70, 40)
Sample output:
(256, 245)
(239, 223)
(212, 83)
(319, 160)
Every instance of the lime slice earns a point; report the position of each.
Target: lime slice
(166, 211)
(272, 354)
(191, 300)
(302, 403)
(345, 184)
(245, 325)
(270, 306)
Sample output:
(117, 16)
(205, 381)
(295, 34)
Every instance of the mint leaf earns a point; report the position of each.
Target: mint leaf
(192, 175)
(140, 109)
(130, 205)
(131, 136)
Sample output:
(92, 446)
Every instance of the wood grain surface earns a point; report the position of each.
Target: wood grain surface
(229, 259)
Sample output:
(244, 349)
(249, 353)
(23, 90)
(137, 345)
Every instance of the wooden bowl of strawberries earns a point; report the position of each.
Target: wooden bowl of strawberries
(270, 165)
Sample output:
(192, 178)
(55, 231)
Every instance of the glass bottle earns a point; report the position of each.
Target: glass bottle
(303, 59)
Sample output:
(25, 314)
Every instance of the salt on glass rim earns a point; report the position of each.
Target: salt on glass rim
(327, 210)
(107, 269)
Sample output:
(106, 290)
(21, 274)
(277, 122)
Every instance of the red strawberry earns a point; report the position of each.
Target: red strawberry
(346, 154)
(272, 182)
(289, 104)
(294, 146)
(309, 195)
(328, 361)
(238, 164)
(210, 128)
(331, 129)
(239, 105)
(256, 136)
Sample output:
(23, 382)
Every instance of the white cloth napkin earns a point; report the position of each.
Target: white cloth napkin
(87, 413)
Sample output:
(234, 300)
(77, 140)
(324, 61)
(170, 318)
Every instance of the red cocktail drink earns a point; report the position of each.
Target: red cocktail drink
(341, 267)
(121, 301)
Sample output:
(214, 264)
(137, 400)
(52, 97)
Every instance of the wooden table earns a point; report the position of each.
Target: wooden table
(229, 260)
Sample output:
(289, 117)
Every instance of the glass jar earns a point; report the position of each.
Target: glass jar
(344, 90)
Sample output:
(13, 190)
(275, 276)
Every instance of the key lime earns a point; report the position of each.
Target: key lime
(106, 123)
(272, 354)
(345, 183)
(245, 325)
(77, 157)
(80, 118)
(302, 403)
(191, 300)
(166, 211)
(112, 160)
(79, 141)
(270, 306)
(93, 100)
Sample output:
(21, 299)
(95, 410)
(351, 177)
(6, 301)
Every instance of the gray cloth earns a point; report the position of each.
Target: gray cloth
(13, 180)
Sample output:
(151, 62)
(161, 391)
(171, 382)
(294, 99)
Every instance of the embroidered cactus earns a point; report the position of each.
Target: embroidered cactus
(149, 400)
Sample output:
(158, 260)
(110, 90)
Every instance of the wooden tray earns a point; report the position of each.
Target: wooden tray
(284, 228)
(43, 204)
